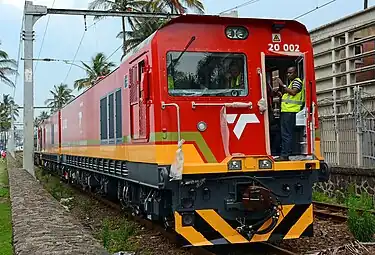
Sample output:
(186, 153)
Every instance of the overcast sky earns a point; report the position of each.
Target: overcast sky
(65, 32)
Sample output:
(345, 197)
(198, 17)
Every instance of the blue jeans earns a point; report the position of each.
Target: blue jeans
(288, 123)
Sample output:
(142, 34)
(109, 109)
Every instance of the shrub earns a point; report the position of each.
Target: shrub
(361, 224)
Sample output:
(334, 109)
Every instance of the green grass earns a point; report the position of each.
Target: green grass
(114, 232)
(321, 197)
(5, 213)
(361, 224)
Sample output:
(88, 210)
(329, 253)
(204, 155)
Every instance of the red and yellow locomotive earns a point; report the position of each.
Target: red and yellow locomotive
(173, 137)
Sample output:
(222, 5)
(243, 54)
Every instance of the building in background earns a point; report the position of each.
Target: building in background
(344, 53)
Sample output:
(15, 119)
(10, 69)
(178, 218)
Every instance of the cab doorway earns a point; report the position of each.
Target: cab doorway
(277, 67)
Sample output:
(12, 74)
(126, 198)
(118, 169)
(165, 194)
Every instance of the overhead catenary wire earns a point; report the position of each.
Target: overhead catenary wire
(79, 46)
(44, 35)
(18, 56)
(315, 9)
(75, 55)
(113, 52)
(241, 5)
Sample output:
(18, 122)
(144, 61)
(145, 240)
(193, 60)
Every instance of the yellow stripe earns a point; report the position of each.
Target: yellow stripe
(164, 154)
(189, 233)
(262, 238)
(303, 222)
(220, 225)
(159, 154)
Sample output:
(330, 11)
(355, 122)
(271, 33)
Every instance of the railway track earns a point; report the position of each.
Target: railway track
(334, 212)
(337, 213)
(248, 249)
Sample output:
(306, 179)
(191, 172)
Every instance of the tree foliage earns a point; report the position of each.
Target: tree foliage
(61, 95)
(98, 67)
(7, 68)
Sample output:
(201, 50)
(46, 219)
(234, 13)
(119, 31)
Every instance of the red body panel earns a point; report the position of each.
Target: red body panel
(51, 132)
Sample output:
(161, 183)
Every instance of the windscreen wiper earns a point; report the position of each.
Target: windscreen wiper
(186, 47)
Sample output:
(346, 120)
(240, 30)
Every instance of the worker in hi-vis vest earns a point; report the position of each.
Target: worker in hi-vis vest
(292, 102)
(170, 82)
(235, 77)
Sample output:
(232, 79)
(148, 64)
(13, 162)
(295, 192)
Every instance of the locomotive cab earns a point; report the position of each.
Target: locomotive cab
(219, 87)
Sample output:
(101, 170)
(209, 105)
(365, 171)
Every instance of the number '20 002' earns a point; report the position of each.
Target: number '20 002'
(284, 47)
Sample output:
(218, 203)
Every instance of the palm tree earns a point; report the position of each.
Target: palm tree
(43, 116)
(140, 31)
(99, 67)
(6, 108)
(118, 5)
(60, 96)
(172, 6)
(6, 114)
(178, 6)
(4, 118)
(6, 68)
(143, 28)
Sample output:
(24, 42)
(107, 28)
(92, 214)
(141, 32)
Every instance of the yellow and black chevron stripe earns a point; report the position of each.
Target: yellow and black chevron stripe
(294, 222)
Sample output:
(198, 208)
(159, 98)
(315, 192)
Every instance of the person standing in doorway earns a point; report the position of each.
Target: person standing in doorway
(292, 102)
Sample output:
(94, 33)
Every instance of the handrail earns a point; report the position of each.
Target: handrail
(234, 104)
(262, 103)
(163, 105)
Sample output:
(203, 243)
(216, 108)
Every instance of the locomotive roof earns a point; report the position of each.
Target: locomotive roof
(216, 19)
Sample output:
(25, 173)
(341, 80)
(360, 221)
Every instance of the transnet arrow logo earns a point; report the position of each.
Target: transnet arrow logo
(242, 121)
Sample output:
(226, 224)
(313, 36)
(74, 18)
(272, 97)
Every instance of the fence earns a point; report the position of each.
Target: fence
(350, 143)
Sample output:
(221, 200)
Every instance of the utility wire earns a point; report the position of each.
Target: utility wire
(79, 46)
(315, 9)
(44, 35)
(75, 55)
(19, 54)
(241, 5)
(113, 52)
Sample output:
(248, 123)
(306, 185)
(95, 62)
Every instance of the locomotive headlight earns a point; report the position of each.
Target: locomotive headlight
(235, 165)
(236, 33)
(202, 126)
(265, 164)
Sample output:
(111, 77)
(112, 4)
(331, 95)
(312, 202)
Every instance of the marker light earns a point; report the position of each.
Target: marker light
(236, 33)
(202, 126)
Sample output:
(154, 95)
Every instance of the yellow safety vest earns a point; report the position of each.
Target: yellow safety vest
(170, 82)
(235, 82)
(291, 103)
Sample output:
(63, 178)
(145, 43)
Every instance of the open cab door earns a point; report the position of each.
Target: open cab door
(273, 66)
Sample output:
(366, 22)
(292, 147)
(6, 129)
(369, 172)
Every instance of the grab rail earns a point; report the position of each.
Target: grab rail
(163, 105)
(234, 104)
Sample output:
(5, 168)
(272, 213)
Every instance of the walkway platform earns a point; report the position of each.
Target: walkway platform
(41, 225)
